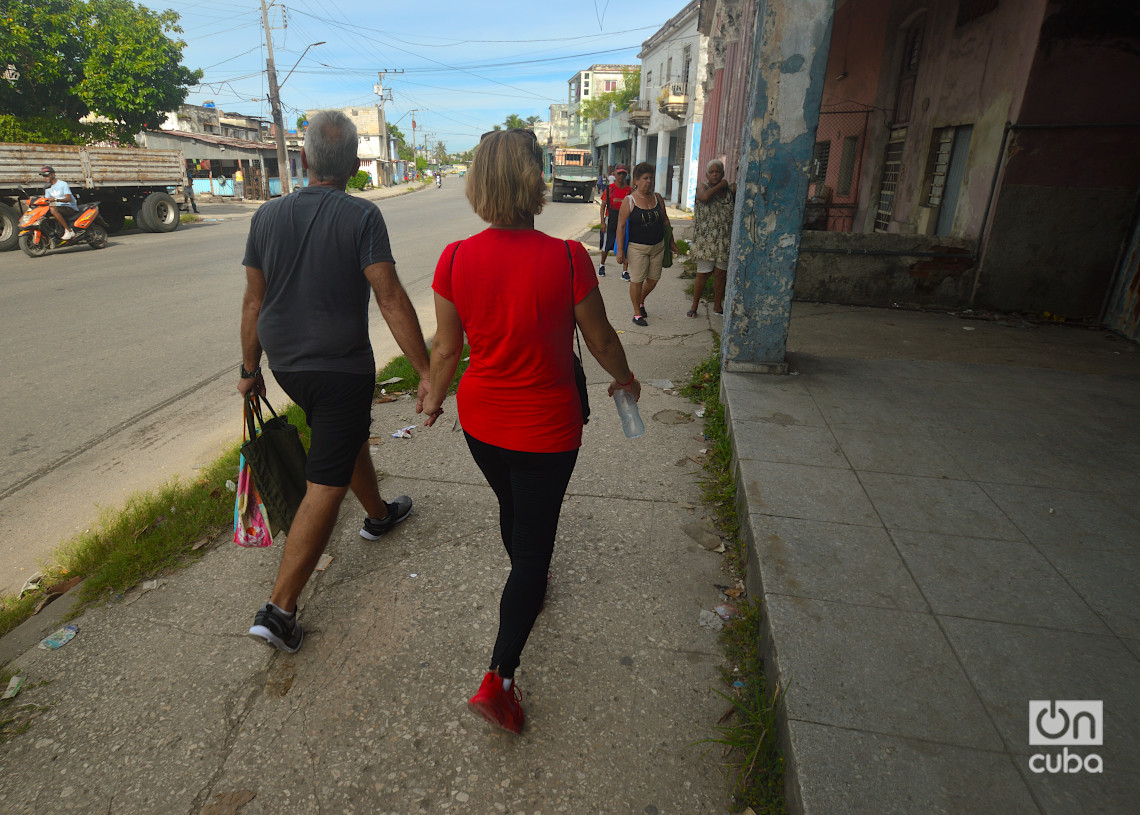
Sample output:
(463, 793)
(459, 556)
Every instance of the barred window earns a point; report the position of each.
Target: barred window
(888, 186)
(819, 158)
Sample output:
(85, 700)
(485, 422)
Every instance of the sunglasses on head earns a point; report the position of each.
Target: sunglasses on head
(535, 149)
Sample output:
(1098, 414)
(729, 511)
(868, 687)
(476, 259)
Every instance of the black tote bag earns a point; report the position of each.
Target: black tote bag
(277, 460)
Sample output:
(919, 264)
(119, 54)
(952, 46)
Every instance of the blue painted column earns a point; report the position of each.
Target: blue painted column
(789, 59)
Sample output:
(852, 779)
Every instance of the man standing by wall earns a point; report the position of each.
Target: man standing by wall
(59, 191)
(310, 261)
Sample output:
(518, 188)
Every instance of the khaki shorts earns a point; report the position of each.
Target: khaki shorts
(707, 266)
(645, 261)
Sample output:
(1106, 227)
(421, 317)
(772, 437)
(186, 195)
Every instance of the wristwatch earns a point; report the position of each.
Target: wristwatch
(256, 372)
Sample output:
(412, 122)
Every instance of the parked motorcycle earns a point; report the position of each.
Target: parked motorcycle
(40, 232)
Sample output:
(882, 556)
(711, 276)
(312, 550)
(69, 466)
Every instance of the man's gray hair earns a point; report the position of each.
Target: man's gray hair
(330, 146)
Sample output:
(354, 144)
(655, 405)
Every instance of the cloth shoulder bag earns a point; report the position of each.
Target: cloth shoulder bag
(579, 373)
(277, 460)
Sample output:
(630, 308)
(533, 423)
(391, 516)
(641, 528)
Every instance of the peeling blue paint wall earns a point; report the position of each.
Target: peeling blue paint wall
(790, 49)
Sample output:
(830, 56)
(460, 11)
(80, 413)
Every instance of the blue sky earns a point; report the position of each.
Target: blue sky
(466, 65)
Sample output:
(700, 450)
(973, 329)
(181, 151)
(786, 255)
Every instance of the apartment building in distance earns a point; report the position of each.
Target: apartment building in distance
(586, 84)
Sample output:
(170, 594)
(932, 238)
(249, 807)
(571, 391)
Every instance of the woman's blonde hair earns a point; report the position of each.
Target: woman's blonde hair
(504, 182)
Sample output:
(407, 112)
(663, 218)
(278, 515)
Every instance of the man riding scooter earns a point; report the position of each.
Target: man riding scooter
(58, 191)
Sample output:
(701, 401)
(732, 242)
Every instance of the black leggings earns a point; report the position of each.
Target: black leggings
(530, 488)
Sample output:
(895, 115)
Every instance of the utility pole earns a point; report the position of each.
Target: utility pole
(387, 156)
(413, 111)
(283, 170)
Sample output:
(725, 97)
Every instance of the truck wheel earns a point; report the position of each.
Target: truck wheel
(161, 212)
(138, 212)
(34, 250)
(9, 228)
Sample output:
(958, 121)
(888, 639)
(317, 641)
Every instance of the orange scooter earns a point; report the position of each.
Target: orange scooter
(40, 232)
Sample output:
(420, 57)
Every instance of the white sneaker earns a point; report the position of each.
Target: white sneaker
(68, 234)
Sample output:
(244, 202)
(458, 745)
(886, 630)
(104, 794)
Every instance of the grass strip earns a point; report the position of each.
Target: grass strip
(400, 366)
(154, 532)
(751, 759)
(157, 531)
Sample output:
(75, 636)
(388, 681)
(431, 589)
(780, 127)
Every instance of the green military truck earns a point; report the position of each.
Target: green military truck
(150, 186)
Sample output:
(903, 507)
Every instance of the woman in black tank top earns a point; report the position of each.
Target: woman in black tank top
(641, 238)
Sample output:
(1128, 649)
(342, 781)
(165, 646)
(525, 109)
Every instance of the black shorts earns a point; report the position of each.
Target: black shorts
(338, 409)
(611, 231)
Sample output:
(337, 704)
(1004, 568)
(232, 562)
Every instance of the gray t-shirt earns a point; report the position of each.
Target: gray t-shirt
(313, 247)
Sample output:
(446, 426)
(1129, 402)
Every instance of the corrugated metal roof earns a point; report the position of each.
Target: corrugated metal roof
(223, 141)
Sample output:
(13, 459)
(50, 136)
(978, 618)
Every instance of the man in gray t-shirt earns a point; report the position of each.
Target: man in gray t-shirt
(311, 260)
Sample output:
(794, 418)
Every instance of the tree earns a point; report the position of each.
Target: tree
(598, 107)
(514, 122)
(74, 58)
(530, 120)
(440, 153)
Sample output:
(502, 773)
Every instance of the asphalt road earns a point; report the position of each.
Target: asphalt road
(120, 364)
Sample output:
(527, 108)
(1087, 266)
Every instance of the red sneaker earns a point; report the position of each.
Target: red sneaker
(498, 706)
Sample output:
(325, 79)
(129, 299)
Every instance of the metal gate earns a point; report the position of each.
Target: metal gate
(837, 165)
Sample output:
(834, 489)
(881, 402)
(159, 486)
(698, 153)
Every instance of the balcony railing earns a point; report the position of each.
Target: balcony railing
(673, 99)
(639, 114)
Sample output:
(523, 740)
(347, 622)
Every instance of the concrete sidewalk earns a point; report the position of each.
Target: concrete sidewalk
(943, 514)
(162, 704)
(945, 521)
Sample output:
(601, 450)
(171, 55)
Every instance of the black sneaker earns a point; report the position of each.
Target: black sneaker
(641, 321)
(281, 631)
(398, 510)
(625, 275)
(601, 271)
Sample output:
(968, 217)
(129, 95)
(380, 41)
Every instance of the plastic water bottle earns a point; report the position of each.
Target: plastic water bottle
(630, 418)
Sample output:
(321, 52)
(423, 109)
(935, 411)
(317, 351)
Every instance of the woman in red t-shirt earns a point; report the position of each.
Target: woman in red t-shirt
(518, 401)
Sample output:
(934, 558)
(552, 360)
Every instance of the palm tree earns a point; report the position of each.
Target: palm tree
(514, 122)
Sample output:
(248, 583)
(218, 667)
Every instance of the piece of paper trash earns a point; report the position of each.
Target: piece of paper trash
(324, 562)
(14, 685)
(231, 486)
(709, 620)
(393, 380)
(727, 611)
(967, 328)
(59, 637)
(404, 433)
(701, 413)
(413, 575)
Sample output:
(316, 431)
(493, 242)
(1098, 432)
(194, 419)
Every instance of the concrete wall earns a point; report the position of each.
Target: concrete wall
(908, 281)
(1066, 204)
(972, 74)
